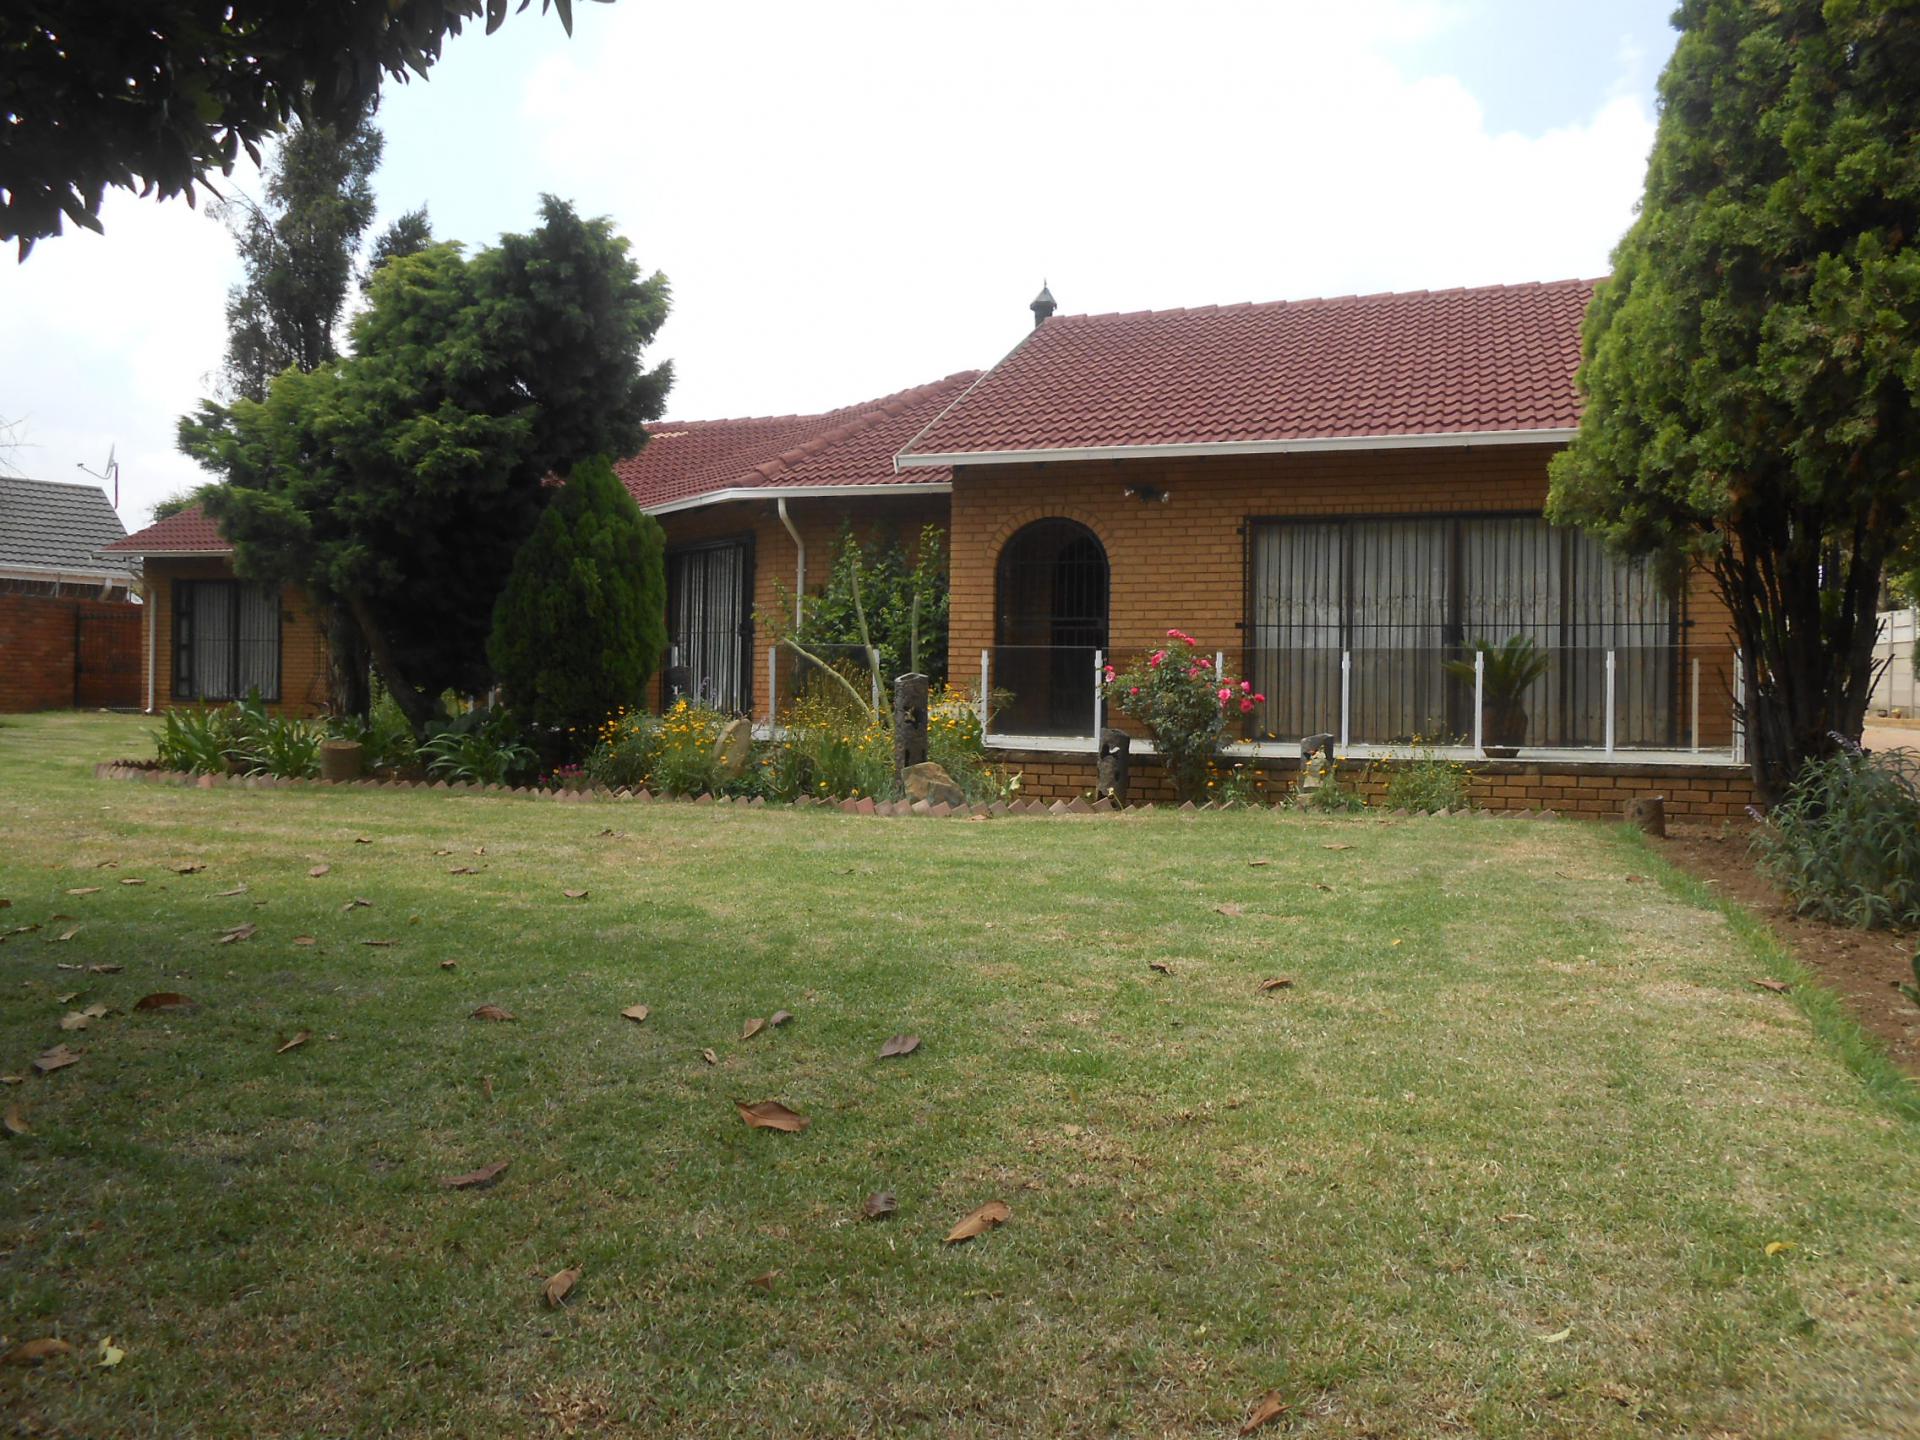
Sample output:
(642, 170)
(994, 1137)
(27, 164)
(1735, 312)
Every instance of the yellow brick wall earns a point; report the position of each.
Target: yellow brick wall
(303, 645)
(1182, 563)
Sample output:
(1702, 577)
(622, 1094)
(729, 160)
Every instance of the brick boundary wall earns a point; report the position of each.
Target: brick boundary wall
(1077, 803)
(1701, 793)
(39, 669)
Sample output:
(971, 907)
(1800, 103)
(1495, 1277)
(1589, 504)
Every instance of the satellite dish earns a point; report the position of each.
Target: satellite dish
(112, 472)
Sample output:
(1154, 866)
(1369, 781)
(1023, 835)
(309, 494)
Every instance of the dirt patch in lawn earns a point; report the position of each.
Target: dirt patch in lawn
(1864, 966)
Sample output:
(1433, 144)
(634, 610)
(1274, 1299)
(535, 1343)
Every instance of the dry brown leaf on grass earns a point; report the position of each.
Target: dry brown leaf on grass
(1277, 982)
(105, 969)
(356, 903)
(752, 1028)
(574, 894)
(85, 890)
(110, 1353)
(381, 944)
(1336, 845)
(305, 940)
(492, 1012)
(449, 964)
(779, 1017)
(772, 1115)
(764, 1280)
(438, 853)
(879, 1205)
(709, 1057)
(133, 882)
(559, 1286)
(238, 932)
(58, 1058)
(636, 1013)
(36, 1352)
(1778, 987)
(317, 871)
(15, 1121)
(1323, 886)
(464, 870)
(67, 935)
(476, 1179)
(994, 1212)
(1270, 1409)
(361, 840)
(295, 1043)
(1160, 965)
(1231, 910)
(76, 1020)
(163, 1000)
(239, 889)
(899, 1045)
(1258, 864)
(192, 867)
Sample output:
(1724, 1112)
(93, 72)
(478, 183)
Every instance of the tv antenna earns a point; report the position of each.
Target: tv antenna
(112, 472)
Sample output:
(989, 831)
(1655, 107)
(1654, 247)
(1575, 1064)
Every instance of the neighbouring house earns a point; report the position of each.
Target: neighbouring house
(212, 637)
(69, 632)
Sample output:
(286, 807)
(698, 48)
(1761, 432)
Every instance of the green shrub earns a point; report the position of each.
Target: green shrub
(956, 745)
(623, 754)
(1845, 843)
(902, 596)
(481, 747)
(831, 751)
(385, 738)
(683, 753)
(1425, 782)
(581, 625)
(240, 738)
(192, 740)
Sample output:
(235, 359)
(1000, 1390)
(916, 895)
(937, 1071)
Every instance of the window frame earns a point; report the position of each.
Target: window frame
(186, 685)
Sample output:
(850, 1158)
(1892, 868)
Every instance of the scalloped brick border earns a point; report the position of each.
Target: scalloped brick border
(148, 775)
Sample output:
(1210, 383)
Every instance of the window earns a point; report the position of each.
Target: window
(710, 623)
(226, 637)
(1399, 596)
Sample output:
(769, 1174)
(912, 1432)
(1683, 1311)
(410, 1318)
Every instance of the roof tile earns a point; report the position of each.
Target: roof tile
(47, 524)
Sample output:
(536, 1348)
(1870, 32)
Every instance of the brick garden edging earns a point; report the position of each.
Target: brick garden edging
(1080, 805)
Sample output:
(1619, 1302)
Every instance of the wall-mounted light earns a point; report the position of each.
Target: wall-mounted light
(1147, 494)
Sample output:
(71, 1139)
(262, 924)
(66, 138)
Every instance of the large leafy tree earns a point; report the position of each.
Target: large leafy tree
(156, 95)
(398, 481)
(582, 623)
(1752, 368)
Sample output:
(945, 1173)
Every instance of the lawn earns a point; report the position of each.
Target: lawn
(1520, 1152)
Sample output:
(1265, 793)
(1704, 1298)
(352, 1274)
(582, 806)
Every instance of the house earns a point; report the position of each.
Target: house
(69, 633)
(1338, 496)
(213, 637)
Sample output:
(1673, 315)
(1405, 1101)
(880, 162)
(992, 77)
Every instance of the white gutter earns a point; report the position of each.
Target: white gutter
(799, 492)
(151, 619)
(58, 574)
(1446, 440)
(800, 565)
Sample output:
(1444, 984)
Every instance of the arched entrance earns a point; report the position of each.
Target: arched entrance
(1050, 617)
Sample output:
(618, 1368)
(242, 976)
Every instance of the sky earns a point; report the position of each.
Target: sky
(855, 198)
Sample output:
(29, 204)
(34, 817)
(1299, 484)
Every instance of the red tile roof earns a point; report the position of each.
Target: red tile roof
(691, 462)
(1449, 362)
(191, 532)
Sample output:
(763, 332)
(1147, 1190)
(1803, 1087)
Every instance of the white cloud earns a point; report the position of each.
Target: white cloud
(107, 340)
(851, 208)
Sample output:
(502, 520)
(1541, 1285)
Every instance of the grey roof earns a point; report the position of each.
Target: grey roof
(46, 525)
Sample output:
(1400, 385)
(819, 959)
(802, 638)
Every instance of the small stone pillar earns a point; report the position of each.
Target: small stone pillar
(909, 722)
(1116, 759)
(1313, 772)
(1648, 812)
(340, 760)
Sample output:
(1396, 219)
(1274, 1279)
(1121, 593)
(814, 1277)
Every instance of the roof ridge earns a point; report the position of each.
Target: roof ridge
(1330, 301)
(905, 397)
(874, 412)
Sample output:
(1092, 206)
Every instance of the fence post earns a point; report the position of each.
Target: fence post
(1346, 695)
(1219, 667)
(1694, 707)
(1479, 695)
(1609, 702)
(1739, 708)
(1099, 667)
(986, 671)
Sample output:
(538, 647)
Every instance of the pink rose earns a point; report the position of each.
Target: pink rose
(1156, 657)
(1259, 699)
(1134, 691)
(1246, 707)
(1246, 685)
(1225, 694)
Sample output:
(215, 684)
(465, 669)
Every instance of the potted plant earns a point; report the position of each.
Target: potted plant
(1507, 672)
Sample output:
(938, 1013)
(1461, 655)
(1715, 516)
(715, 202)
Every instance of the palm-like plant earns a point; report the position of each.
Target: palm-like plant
(1508, 671)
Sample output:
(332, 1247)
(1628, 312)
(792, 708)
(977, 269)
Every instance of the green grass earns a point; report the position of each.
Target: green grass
(1512, 1093)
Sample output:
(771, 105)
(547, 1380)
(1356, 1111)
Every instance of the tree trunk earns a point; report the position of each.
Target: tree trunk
(1806, 615)
(420, 710)
(348, 681)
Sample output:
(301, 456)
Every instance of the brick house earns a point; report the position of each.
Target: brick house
(69, 631)
(210, 637)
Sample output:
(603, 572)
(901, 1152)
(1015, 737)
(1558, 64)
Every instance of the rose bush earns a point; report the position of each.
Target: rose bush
(1185, 707)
